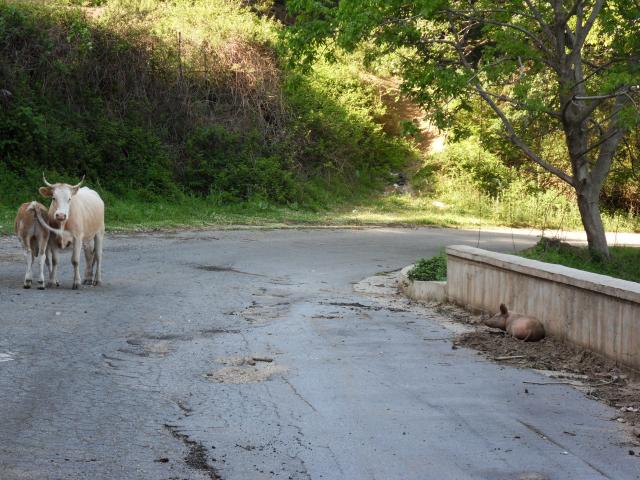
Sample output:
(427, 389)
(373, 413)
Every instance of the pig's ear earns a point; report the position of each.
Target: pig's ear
(503, 309)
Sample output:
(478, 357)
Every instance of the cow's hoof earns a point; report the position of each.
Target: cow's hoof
(26, 285)
(76, 286)
(96, 283)
(40, 285)
(87, 282)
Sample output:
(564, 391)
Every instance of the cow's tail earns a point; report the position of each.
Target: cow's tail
(57, 231)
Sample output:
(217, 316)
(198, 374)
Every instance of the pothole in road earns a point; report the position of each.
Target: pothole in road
(161, 344)
(241, 370)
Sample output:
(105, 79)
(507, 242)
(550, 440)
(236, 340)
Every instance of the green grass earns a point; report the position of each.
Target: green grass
(430, 269)
(624, 263)
(124, 214)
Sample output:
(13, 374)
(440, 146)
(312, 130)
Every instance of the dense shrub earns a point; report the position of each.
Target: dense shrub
(230, 166)
(430, 269)
(187, 97)
(469, 162)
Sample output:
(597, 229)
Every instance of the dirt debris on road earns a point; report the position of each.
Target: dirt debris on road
(248, 369)
(599, 377)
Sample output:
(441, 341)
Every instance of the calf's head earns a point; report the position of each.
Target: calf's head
(499, 320)
(61, 194)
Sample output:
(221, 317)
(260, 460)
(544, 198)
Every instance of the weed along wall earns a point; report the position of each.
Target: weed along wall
(595, 311)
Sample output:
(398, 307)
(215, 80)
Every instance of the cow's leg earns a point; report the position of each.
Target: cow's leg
(29, 256)
(48, 259)
(42, 254)
(88, 262)
(53, 271)
(75, 262)
(97, 257)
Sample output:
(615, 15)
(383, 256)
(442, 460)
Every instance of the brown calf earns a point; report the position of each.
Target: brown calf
(34, 238)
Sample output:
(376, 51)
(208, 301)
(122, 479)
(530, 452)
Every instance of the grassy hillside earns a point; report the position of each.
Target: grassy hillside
(181, 105)
(185, 113)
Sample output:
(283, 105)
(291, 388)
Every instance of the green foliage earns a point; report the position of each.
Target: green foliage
(336, 112)
(146, 113)
(222, 164)
(468, 162)
(542, 68)
(430, 269)
(624, 262)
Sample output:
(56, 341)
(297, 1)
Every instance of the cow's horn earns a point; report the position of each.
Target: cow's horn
(45, 180)
(79, 184)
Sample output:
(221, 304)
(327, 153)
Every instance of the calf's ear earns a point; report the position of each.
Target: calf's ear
(46, 191)
(503, 309)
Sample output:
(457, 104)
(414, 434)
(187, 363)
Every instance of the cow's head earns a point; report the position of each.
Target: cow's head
(61, 194)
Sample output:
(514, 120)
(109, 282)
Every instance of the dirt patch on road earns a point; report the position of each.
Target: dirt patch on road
(240, 370)
(599, 377)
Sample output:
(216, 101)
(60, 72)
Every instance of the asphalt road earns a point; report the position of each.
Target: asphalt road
(139, 378)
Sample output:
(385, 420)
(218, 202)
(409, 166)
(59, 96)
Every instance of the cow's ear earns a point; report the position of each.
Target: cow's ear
(74, 190)
(503, 309)
(46, 191)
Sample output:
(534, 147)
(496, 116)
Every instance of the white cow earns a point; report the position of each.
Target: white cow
(34, 238)
(76, 215)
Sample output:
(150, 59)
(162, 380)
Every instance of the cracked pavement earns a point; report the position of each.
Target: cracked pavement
(127, 380)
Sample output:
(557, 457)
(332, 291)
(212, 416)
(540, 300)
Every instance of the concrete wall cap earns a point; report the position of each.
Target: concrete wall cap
(604, 284)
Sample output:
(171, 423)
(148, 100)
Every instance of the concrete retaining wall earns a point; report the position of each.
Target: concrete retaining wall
(422, 291)
(596, 311)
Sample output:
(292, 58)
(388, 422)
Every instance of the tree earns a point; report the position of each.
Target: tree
(572, 66)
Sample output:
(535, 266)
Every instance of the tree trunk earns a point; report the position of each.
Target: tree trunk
(587, 185)
(589, 205)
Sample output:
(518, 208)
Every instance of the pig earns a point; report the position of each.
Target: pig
(522, 327)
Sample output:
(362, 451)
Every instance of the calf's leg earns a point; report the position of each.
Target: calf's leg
(27, 276)
(42, 254)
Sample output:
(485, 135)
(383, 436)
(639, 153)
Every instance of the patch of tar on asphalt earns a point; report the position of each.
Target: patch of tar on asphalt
(264, 312)
(196, 457)
(500, 475)
(227, 269)
(158, 348)
(241, 370)
(145, 348)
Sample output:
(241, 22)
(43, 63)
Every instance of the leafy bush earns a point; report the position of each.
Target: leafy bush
(430, 269)
(146, 113)
(469, 161)
(232, 167)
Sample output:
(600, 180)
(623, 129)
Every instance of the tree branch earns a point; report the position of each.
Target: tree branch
(523, 105)
(513, 136)
(599, 99)
(527, 33)
(584, 31)
(610, 142)
(538, 17)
